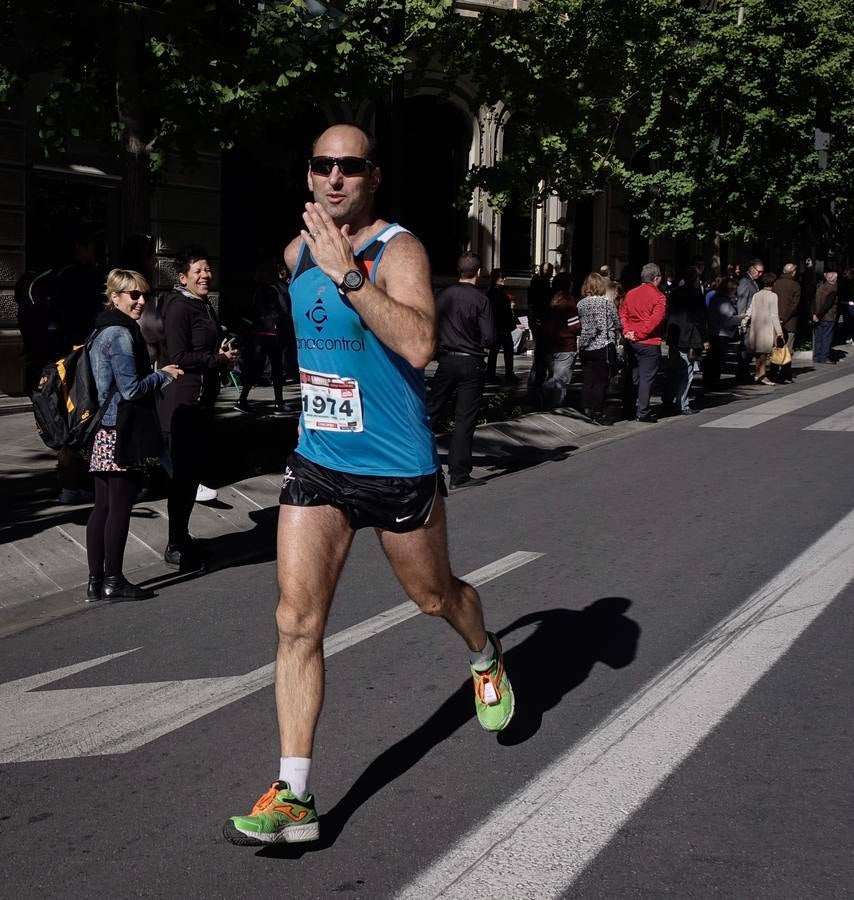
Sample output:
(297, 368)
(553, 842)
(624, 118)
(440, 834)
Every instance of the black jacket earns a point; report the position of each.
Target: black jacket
(686, 319)
(191, 341)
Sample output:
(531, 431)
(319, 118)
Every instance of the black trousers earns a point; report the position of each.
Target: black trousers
(189, 450)
(505, 345)
(462, 377)
(645, 361)
(597, 375)
(258, 349)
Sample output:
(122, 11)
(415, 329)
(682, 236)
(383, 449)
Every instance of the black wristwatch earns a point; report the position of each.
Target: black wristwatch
(352, 281)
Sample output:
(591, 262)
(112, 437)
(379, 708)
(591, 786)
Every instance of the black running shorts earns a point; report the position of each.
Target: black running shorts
(369, 501)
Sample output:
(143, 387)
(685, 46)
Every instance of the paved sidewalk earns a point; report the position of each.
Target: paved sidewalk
(43, 546)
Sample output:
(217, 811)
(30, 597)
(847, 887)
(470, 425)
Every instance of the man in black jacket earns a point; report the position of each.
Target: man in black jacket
(465, 329)
(824, 318)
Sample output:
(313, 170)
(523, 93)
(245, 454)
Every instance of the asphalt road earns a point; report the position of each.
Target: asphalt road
(620, 776)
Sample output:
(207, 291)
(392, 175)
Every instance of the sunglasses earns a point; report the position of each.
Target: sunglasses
(347, 165)
(135, 295)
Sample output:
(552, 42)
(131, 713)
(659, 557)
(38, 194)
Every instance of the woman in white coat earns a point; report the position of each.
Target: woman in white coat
(763, 326)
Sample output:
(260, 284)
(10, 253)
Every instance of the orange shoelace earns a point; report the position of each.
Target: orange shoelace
(484, 681)
(264, 800)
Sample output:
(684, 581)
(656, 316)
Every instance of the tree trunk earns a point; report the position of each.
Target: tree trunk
(136, 188)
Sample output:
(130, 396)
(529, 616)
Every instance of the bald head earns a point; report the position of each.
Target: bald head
(790, 269)
(358, 142)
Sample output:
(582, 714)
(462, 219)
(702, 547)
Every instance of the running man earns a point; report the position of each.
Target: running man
(365, 319)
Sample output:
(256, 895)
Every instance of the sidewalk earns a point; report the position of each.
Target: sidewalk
(43, 544)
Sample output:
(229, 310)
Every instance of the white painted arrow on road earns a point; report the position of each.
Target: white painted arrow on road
(90, 721)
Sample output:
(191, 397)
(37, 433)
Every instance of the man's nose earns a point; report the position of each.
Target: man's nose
(335, 176)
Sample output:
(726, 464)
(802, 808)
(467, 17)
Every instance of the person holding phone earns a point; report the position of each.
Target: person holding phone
(192, 341)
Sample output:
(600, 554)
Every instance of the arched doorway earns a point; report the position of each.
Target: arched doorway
(517, 220)
(428, 176)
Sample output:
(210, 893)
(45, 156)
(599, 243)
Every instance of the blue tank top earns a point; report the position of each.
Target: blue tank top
(363, 406)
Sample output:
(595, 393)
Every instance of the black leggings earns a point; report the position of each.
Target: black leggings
(109, 521)
(597, 376)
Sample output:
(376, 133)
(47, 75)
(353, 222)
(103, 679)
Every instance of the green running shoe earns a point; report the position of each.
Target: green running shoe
(278, 816)
(493, 696)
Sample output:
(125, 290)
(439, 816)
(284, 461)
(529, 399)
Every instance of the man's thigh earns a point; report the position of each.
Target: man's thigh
(419, 558)
(312, 545)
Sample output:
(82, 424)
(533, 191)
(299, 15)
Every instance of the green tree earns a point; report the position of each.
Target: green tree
(567, 72)
(146, 77)
(727, 144)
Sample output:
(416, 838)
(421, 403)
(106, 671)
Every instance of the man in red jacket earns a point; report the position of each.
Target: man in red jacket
(642, 314)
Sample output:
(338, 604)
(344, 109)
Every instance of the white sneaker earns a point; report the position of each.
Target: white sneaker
(203, 494)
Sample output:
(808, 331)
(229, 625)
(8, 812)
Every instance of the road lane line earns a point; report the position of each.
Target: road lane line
(572, 810)
(765, 412)
(841, 421)
(65, 723)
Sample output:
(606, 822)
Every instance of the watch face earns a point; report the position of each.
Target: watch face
(353, 280)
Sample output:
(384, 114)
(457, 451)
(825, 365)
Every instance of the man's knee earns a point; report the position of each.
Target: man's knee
(439, 602)
(297, 623)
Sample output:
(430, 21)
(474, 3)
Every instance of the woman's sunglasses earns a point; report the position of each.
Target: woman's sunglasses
(135, 295)
(347, 165)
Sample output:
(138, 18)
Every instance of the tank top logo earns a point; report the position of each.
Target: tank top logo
(317, 314)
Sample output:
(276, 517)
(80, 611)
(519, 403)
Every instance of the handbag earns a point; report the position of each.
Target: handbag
(781, 356)
(138, 436)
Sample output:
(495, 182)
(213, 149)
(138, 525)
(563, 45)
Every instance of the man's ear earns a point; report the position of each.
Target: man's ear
(308, 179)
(182, 277)
(376, 180)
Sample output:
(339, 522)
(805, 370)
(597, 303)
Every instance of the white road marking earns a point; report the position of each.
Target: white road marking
(841, 421)
(765, 412)
(539, 842)
(71, 722)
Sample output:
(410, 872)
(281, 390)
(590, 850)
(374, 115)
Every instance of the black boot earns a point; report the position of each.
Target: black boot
(93, 588)
(117, 587)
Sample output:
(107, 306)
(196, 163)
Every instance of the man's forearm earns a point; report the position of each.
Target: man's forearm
(403, 329)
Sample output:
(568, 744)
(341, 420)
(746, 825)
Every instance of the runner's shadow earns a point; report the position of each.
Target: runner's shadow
(544, 667)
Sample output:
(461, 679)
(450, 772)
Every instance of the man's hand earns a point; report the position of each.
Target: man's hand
(629, 335)
(329, 245)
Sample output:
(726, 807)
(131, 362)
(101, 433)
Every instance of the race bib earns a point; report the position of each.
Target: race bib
(330, 402)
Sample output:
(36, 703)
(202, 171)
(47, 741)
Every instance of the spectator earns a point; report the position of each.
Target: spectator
(287, 333)
(560, 331)
(139, 254)
(261, 341)
(824, 316)
(845, 300)
(600, 329)
(747, 287)
(723, 329)
(464, 329)
(128, 436)
(788, 293)
(192, 342)
(763, 326)
(520, 332)
(686, 336)
(539, 295)
(642, 317)
(505, 322)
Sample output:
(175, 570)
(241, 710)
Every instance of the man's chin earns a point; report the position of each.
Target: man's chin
(338, 212)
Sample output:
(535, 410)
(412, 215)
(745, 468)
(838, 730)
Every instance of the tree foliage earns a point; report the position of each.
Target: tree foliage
(727, 142)
(705, 110)
(145, 76)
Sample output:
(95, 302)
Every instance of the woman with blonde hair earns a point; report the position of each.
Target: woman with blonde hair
(597, 344)
(764, 328)
(129, 434)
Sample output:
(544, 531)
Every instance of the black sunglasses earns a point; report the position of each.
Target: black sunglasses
(347, 165)
(135, 295)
